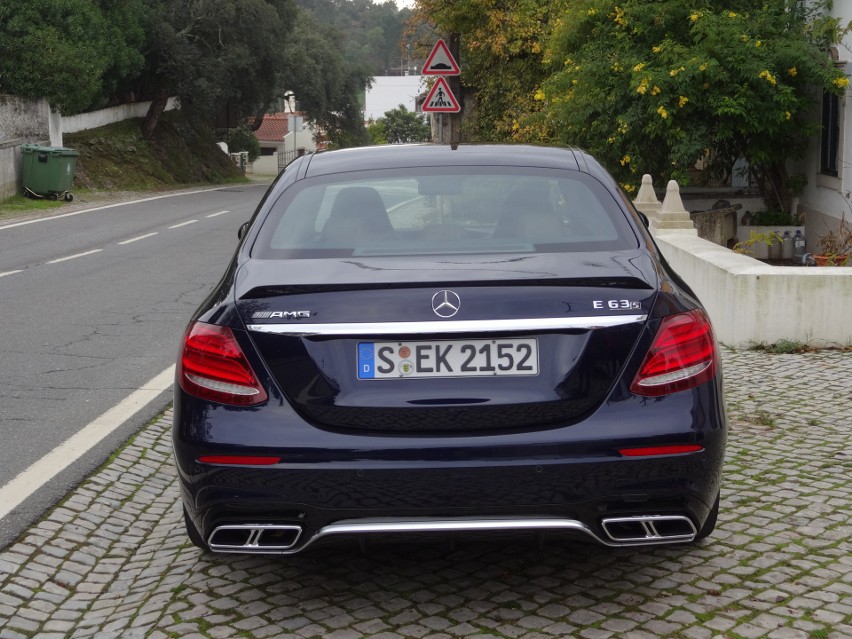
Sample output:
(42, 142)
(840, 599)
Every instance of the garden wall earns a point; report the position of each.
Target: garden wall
(751, 302)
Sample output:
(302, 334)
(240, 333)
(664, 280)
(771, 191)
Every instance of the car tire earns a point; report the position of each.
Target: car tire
(710, 522)
(192, 532)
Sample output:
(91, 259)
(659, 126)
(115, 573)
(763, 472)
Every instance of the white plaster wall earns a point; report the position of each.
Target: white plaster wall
(751, 302)
(265, 165)
(102, 117)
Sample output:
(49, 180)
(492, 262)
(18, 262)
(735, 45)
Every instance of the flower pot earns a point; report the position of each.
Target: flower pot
(831, 260)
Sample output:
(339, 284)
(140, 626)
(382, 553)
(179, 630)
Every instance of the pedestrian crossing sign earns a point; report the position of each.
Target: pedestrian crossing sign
(441, 99)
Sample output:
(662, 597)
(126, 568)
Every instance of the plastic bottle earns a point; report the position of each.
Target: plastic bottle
(775, 248)
(787, 246)
(798, 244)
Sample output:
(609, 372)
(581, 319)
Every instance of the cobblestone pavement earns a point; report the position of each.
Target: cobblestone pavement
(113, 561)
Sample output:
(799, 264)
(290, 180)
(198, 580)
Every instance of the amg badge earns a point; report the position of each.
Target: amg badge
(281, 315)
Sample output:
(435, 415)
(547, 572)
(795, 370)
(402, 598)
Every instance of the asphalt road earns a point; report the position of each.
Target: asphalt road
(92, 307)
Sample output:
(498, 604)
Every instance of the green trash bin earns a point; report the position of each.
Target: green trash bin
(48, 171)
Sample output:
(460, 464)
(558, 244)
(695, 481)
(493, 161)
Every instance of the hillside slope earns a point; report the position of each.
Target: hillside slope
(117, 157)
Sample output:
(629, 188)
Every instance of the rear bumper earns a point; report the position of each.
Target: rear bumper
(570, 497)
(566, 481)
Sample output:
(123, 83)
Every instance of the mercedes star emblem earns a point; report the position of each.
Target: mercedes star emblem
(446, 303)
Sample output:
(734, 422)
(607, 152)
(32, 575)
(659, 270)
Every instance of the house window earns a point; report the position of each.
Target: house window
(830, 146)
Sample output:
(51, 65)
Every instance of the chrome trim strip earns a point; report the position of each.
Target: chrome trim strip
(452, 326)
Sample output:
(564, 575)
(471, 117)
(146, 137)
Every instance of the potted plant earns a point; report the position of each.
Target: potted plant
(835, 247)
(758, 244)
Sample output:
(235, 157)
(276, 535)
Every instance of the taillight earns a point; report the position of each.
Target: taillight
(682, 356)
(213, 366)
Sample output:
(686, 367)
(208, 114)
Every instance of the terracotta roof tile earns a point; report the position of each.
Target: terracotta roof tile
(273, 128)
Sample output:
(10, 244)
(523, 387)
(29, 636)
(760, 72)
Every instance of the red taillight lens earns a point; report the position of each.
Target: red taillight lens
(682, 356)
(213, 366)
(654, 451)
(239, 460)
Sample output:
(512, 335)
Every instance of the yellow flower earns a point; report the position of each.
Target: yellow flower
(732, 14)
(628, 188)
(744, 38)
(616, 67)
(655, 90)
(663, 113)
(618, 18)
(656, 49)
(792, 72)
(611, 139)
(694, 17)
(674, 72)
(623, 127)
(638, 67)
(766, 75)
(539, 95)
(643, 86)
(682, 101)
(703, 66)
(788, 115)
(625, 160)
(841, 83)
(593, 12)
(758, 43)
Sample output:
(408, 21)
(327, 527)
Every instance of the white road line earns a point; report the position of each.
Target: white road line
(106, 206)
(136, 239)
(30, 480)
(10, 273)
(73, 257)
(217, 214)
(177, 226)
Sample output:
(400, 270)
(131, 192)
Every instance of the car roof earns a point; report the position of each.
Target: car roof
(438, 155)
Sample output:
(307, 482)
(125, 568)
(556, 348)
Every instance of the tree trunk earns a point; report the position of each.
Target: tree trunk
(152, 118)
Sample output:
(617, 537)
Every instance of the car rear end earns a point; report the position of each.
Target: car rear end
(475, 348)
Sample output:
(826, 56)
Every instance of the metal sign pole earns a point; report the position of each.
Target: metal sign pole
(440, 128)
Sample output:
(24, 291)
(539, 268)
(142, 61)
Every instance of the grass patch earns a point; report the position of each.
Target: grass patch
(18, 204)
(782, 347)
(763, 418)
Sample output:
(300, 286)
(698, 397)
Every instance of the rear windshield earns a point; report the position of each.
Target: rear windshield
(444, 211)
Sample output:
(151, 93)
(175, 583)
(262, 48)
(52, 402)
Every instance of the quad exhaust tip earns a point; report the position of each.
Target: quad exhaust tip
(285, 539)
(258, 538)
(644, 529)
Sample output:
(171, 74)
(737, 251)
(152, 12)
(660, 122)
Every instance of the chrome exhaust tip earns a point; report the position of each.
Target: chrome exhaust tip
(254, 538)
(650, 529)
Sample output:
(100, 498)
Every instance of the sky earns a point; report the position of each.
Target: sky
(404, 3)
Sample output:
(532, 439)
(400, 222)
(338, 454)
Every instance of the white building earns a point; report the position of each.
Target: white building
(389, 91)
(828, 163)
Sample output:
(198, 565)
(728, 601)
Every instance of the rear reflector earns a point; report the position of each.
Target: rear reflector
(239, 460)
(682, 356)
(213, 366)
(651, 451)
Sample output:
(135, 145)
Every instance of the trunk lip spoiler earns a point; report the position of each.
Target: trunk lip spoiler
(300, 329)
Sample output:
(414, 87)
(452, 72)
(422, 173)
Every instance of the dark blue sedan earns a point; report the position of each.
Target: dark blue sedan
(436, 339)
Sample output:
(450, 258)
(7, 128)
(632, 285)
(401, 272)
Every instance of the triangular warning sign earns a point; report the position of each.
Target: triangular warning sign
(441, 99)
(441, 61)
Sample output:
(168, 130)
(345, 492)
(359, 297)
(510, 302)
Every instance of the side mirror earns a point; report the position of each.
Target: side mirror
(244, 229)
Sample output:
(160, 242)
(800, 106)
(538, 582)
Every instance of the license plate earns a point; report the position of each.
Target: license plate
(450, 358)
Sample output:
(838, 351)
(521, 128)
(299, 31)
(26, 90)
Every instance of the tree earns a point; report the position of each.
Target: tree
(502, 57)
(72, 52)
(212, 54)
(400, 126)
(654, 86)
(327, 87)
